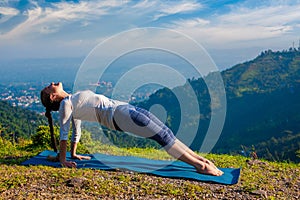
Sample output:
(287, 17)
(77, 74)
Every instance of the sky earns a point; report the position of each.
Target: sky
(231, 31)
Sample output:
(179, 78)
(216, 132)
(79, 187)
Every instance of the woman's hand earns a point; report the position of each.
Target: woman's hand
(80, 157)
(69, 164)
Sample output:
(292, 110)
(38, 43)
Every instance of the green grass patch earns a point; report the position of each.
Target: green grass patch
(275, 180)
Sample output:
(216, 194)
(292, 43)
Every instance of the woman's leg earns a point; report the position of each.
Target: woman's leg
(185, 154)
(191, 152)
(143, 123)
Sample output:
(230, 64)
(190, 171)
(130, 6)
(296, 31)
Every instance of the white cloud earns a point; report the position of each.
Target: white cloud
(46, 20)
(265, 16)
(50, 19)
(68, 11)
(171, 8)
(196, 22)
(242, 25)
(6, 13)
(181, 7)
(144, 4)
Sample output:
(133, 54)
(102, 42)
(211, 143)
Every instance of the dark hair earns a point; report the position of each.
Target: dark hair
(50, 106)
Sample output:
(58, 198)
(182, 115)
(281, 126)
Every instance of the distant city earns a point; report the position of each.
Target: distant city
(27, 95)
(23, 95)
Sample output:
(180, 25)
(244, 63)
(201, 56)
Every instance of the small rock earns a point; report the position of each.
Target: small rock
(260, 192)
(75, 182)
(256, 162)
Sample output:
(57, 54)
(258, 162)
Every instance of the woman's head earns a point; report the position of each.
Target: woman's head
(49, 97)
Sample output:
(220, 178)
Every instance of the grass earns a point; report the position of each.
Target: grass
(259, 179)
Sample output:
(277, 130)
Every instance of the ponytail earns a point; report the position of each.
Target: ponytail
(50, 106)
(50, 122)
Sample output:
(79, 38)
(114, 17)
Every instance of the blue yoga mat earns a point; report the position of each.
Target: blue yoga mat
(170, 169)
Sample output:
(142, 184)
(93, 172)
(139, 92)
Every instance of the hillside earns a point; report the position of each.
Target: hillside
(16, 122)
(259, 179)
(270, 71)
(262, 106)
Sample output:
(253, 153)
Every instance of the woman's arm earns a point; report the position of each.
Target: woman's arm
(63, 153)
(65, 116)
(76, 134)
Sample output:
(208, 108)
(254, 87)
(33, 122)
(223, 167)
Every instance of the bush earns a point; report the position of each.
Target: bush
(42, 137)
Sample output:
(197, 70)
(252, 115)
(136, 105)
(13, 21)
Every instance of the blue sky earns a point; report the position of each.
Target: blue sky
(231, 31)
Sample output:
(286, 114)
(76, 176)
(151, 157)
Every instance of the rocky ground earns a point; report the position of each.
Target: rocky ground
(259, 180)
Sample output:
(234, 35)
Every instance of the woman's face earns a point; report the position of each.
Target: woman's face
(50, 94)
(53, 88)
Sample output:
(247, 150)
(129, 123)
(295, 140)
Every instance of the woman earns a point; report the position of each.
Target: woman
(115, 115)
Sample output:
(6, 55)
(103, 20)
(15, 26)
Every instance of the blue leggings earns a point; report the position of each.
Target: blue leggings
(141, 122)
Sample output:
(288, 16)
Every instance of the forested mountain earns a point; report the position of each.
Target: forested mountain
(16, 122)
(268, 72)
(263, 106)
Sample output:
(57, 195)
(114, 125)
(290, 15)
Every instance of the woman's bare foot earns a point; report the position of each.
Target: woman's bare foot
(192, 153)
(202, 159)
(209, 170)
